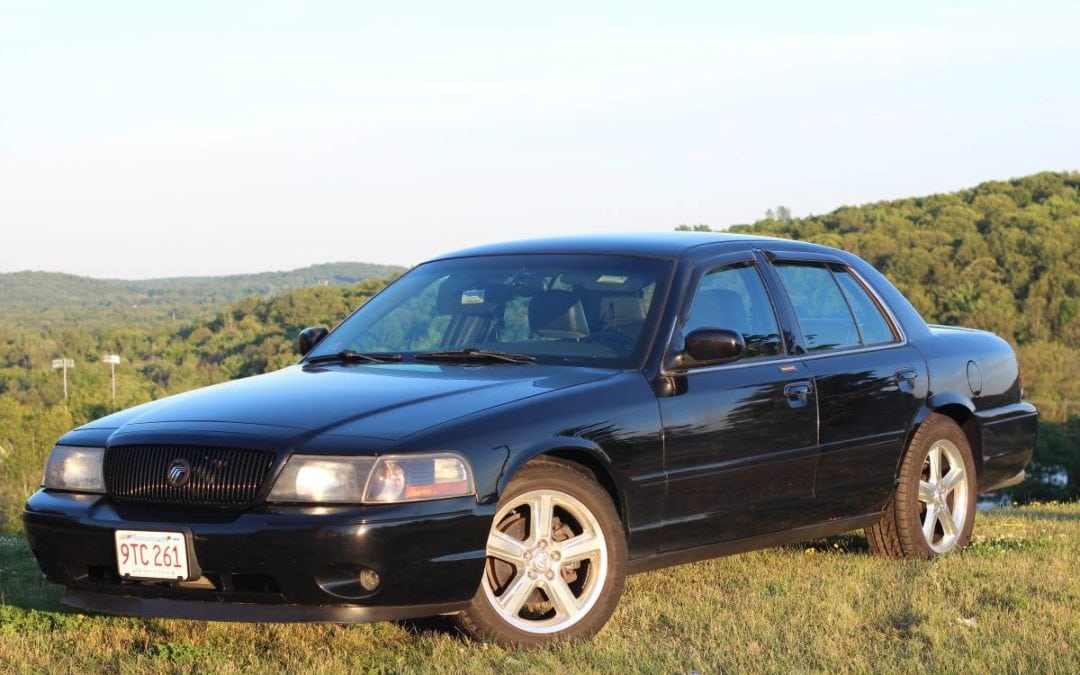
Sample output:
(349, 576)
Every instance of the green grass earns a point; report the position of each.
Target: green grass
(1010, 603)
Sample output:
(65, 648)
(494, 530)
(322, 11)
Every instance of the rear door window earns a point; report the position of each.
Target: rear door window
(834, 310)
(820, 306)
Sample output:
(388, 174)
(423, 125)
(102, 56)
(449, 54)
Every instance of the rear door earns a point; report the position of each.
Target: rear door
(869, 381)
(740, 438)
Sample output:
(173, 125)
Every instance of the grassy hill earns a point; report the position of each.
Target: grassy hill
(1009, 603)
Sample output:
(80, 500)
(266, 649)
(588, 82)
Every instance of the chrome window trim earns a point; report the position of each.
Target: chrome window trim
(898, 330)
(902, 340)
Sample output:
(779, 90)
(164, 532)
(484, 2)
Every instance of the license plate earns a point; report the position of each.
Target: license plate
(151, 555)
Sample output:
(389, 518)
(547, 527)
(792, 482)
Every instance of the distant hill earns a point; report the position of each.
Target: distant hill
(74, 295)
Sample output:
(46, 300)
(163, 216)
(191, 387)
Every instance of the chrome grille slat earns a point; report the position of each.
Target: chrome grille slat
(222, 477)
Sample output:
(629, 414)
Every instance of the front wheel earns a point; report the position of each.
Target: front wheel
(932, 511)
(556, 560)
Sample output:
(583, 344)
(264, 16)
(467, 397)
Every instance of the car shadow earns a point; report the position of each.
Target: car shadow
(433, 626)
(840, 543)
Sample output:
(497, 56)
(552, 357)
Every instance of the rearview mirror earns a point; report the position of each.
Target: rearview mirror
(715, 344)
(309, 337)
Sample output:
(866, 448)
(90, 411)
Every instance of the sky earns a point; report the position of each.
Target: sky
(147, 139)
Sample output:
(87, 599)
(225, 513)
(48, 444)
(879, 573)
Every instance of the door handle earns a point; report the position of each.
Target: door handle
(906, 375)
(797, 391)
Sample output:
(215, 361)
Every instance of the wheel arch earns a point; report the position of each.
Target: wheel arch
(580, 455)
(959, 409)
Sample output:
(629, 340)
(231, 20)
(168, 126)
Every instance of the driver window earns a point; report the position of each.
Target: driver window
(734, 297)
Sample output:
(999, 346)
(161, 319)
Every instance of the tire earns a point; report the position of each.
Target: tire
(932, 511)
(562, 586)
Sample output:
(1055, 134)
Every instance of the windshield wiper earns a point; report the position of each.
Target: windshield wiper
(352, 355)
(474, 355)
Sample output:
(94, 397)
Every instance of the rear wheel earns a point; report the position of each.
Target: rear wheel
(932, 511)
(556, 560)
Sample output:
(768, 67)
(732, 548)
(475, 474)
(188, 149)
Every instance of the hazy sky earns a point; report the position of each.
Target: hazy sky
(150, 138)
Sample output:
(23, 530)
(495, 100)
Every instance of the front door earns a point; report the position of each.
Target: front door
(740, 438)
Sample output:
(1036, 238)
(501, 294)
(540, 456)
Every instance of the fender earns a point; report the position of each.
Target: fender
(937, 401)
(576, 444)
(561, 446)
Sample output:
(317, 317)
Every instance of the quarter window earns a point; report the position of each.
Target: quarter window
(873, 326)
(734, 298)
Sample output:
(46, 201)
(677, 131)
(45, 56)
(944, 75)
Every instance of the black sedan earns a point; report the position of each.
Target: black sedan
(504, 433)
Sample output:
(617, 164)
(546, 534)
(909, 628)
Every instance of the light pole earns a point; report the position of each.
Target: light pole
(64, 364)
(112, 360)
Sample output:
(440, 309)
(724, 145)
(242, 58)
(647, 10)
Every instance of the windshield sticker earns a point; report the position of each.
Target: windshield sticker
(475, 297)
(611, 279)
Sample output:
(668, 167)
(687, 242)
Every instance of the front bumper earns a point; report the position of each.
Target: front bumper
(279, 564)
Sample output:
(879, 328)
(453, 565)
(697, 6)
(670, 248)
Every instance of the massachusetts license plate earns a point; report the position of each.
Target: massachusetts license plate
(151, 555)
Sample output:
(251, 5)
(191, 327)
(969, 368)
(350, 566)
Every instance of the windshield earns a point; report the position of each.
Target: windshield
(571, 309)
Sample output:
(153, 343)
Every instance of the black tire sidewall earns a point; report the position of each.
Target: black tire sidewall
(482, 620)
(936, 428)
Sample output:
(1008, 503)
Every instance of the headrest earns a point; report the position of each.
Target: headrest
(718, 308)
(558, 314)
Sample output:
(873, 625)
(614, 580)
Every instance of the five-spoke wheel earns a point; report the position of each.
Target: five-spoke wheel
(933, 509)
(943, 495)
(556, 556)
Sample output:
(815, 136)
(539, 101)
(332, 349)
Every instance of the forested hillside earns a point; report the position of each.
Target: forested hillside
(1002, 256)
(251, 336)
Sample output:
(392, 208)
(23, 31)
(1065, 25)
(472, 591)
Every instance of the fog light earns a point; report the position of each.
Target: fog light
(369, 579)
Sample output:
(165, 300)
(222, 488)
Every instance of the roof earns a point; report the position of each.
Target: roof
(652, 244)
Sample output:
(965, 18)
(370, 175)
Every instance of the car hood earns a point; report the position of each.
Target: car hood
(384, 401)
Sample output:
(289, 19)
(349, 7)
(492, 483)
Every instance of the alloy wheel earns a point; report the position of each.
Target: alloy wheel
(547, 561)
(943, 496)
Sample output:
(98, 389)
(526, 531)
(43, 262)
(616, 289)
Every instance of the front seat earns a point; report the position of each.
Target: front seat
(559, 315)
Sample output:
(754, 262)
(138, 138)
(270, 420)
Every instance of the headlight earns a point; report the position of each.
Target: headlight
(410, 478)
(369, 480)
(75, 469)
(309, 478)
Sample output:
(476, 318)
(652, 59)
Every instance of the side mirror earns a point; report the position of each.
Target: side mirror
(309, 337)
(715, 344)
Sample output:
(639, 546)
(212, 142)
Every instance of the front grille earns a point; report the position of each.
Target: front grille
(219, 477)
